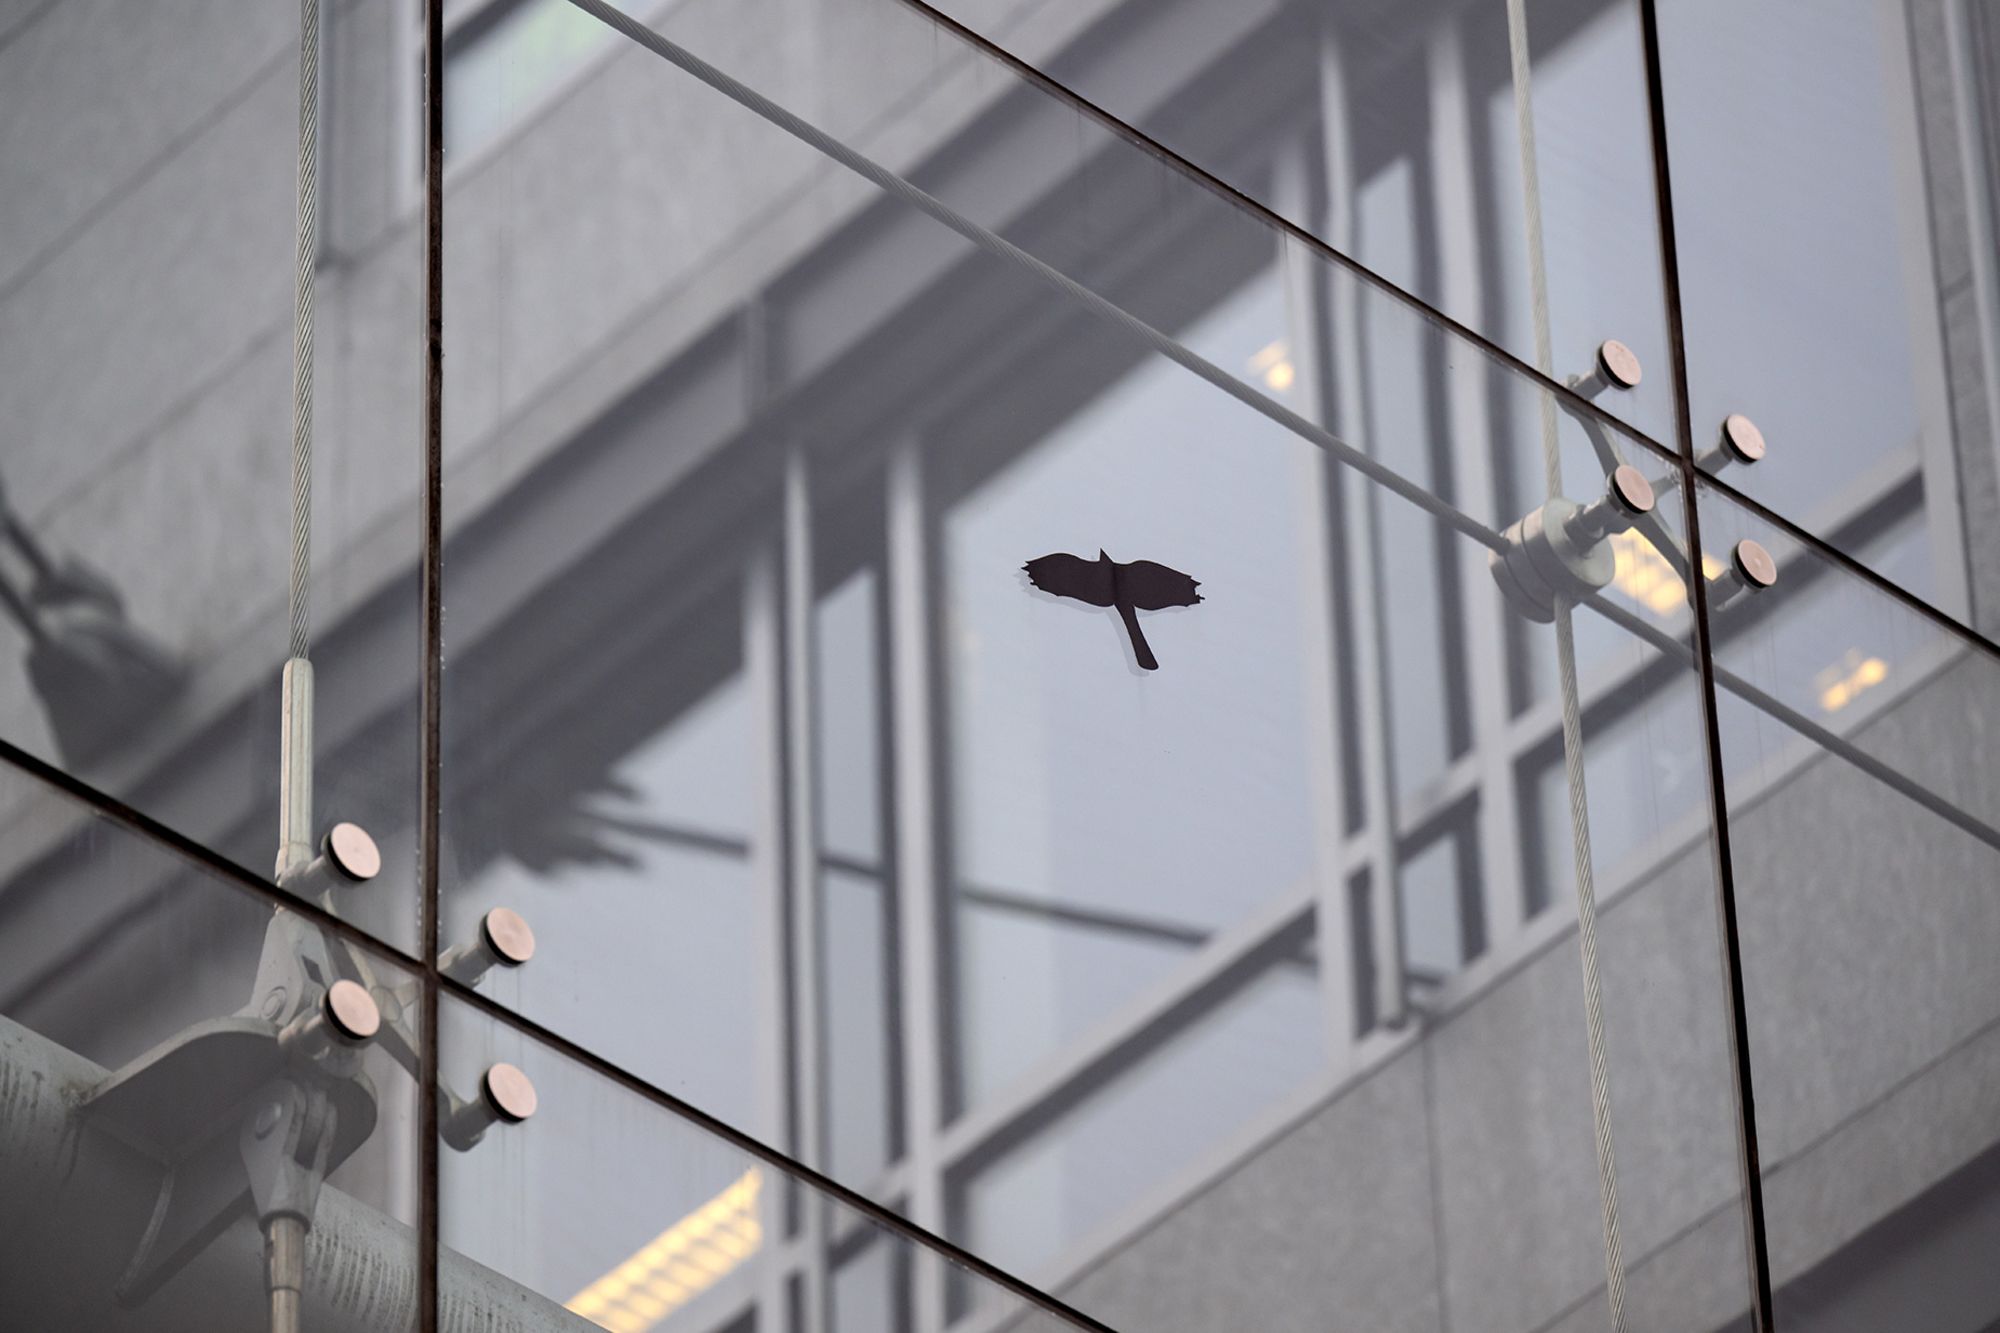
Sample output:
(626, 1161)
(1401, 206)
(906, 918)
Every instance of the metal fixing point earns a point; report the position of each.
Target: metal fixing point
(1741, 439)
(1619, 363)
(1630, 491)
(506, 1096)
(503, 940)
(1754, 564)
(352, 852)
(506, 933)
(351, 1011)
(509, 1092)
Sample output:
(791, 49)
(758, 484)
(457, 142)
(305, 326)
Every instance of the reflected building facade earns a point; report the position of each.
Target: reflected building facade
(904, 957)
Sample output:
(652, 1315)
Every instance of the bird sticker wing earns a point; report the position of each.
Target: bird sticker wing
(1151, 586)
(1072, 576)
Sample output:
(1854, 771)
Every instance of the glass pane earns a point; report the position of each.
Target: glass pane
(869, 1288)
(1018, 881)
(1412, 109)
(1103, 828)
(608, 1207)
(1833, 199)
(630, 849)
(147, 258)
(173, 1092)
(1441, 910)
(1074, 1172)
(1863, 809)
(504, 57)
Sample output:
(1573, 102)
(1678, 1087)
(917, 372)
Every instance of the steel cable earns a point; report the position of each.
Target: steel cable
(1572, 722)
(302, 327)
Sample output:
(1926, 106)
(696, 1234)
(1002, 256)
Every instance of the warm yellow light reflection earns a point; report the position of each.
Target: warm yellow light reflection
(1644, 575)
(1274, 366)
(1840, 684)
(679, 1264)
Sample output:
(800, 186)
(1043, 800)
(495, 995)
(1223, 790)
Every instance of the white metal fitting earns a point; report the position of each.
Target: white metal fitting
(502, 940)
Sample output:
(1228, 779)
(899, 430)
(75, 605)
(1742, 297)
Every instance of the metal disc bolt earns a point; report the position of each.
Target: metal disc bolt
(1630, 490)
(351, 1012)
(510, 1094)
(1619, 363)
(352, 852)
(1742, 439)
(508, 935)
(1754, 564)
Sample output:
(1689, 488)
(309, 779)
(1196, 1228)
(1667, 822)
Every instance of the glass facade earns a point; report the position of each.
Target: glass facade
(1169, 665)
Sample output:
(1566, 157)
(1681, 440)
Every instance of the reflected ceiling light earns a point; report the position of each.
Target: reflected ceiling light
(1273, 365)
(1840, 684)
(1644, 575)
(679, 1264)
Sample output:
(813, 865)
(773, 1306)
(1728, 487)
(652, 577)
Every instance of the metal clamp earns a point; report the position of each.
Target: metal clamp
(347, 857)
(265, 1102)
(1738, 441)
(503, 940)
(506, 1096)
(1561, 552)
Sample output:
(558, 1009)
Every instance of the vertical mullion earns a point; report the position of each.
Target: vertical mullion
(1332, 923)
(431, 669)
(1498, 827)
(1749, 1157)
(764, 675)
(1354, 502)
(917, 755)
(430, 699)
(802, 860)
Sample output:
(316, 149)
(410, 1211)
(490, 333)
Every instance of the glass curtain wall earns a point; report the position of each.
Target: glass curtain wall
(1123, 667)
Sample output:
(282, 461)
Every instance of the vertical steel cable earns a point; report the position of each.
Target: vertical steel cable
(1572, 722)
(302, 324)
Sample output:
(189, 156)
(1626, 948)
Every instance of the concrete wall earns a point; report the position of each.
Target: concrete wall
(1460, 1170)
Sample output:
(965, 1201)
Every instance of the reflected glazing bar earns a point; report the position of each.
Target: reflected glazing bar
(1345, 453)
(897, 187)
(1819, 734)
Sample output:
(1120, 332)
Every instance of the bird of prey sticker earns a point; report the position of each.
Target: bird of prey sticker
(1132, 587)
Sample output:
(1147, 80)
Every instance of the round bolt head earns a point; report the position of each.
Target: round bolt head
(1619, 363)
(1741, 438)
(509, 1093)
(1630, 490)
(1754, 564)
(353, 852)
(351, 1011)
(508, 935)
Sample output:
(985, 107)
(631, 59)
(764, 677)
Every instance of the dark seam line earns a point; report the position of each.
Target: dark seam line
(430, 703)
(1568, 397)
(824, 1185)
(235, 876)
(1824, 737)
(433, 981)
(1749, 1154)
(1849, 565)
(1818, 1141)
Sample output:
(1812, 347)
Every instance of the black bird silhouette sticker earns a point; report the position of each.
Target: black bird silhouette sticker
(1138, 585)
